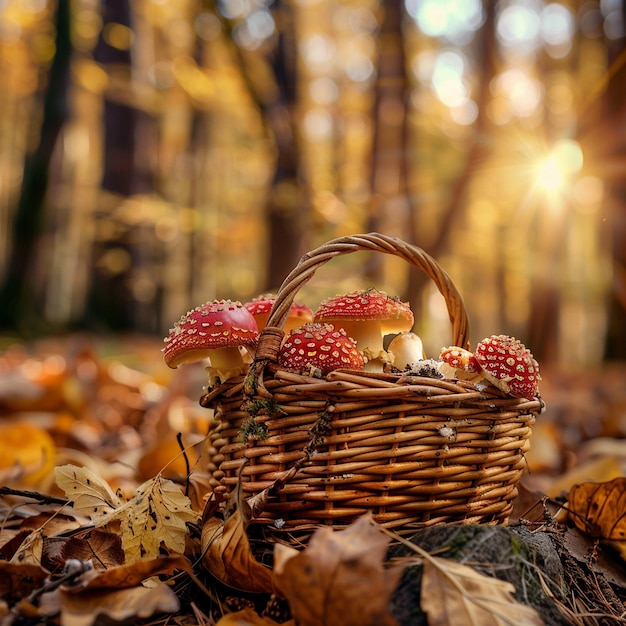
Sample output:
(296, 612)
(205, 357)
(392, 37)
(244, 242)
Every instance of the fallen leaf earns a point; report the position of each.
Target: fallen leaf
(340, 577)
(454, 594)
(31, 549)
(228, 555)
(597, 470)
(90, 495)
(97, 607)
(18, 580)
(157, 514)
(135, 573)
(104, 549)
(247, 617)
(27, 453)
(599, 509)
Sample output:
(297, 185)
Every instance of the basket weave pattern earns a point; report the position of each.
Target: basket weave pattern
(414, 450)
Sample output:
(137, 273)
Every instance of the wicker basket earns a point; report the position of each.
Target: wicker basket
(413, 450)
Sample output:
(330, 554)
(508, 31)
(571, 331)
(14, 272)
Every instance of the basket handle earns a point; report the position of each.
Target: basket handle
(271, 336)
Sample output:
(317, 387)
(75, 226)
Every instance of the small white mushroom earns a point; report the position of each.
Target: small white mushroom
(407, 349)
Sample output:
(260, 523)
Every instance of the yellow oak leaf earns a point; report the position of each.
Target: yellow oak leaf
(157, 514)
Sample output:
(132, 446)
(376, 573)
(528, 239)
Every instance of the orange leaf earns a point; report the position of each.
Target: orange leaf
(599, 509)
(27, 454)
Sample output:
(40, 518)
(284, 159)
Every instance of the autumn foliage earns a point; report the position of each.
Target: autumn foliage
(107, 515)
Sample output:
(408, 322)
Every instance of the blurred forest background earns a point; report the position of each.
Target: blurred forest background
(155, 154)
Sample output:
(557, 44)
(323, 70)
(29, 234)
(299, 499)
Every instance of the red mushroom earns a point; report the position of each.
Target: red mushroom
(367, 316)
(260, 308)
(214, 330)
(509, 365)
(319, 346)
(459, 363)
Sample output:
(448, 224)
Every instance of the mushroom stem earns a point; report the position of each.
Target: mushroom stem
(369, 339)
(224, 364)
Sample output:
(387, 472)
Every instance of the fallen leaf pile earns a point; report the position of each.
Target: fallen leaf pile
(107, 515)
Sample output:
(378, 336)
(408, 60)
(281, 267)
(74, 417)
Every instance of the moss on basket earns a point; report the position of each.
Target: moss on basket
(253, 431)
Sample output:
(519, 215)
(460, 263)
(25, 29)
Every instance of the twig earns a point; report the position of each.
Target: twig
(34, 495)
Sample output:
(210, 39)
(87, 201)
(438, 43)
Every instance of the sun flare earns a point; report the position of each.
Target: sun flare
(555, 171)
(550, 176)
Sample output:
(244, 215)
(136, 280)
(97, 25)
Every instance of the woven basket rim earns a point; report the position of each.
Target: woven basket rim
(271, 336)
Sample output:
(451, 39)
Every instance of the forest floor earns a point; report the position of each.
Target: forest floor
(132, 548)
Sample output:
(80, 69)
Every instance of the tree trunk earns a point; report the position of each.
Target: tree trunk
(615, 99)
(288, 204)
(18, 310)
(127, 171)
(389, 203)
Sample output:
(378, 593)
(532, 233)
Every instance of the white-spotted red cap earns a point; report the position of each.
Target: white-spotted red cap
(320, 346)
(509, 365)
(261, 306)
(460, 359)
(370, 304)
(211, 326)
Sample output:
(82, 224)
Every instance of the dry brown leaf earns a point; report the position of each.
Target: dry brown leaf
(104, 549)
(135, 573)
(96, 606)
(247, 617)
(339, 578)
(200, 488)
(228, 555)
(454, 594)
(599, 509)
(18, 580)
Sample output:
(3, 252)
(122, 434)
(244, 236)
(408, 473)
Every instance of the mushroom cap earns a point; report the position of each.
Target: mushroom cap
(210, 326)
(509, 365)
(370, 304)
(320, 346)
(261, 306)
(460, 359)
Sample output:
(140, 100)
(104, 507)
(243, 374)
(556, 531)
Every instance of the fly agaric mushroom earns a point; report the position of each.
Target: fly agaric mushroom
(260, 308)
(509, 365)
(367, 316)
(459, 363)
(407, 349)
(214, 330)
(319, 346)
